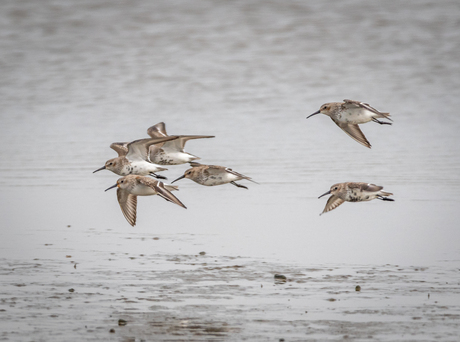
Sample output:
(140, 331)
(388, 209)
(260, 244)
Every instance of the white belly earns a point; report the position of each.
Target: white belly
(172, 158)
(355, 116)
(356, 195)
(141, 168)
(222, 178)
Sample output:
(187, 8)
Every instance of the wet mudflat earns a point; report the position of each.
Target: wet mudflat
(120, 296)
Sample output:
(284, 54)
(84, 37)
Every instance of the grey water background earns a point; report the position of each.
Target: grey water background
(79, 75)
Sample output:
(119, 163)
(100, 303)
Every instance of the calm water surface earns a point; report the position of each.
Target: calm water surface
(79, 75)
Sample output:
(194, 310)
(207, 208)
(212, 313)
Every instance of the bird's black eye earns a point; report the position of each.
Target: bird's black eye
(121, 181)
(335, 188)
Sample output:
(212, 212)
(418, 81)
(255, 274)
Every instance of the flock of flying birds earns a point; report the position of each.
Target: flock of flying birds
(140, 160)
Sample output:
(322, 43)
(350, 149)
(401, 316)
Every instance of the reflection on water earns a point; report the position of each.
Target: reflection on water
(77, 76)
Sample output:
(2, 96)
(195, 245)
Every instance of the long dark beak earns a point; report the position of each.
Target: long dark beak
(113, 186)
(102, 168)
(314, 113)
(326, 193)
(183, 176)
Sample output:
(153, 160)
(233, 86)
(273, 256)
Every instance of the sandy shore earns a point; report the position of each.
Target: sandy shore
(201, 297)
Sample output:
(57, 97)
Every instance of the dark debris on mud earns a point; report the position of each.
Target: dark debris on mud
(208, 298)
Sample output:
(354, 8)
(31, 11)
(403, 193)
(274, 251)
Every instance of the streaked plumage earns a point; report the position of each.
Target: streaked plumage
(211, 175)
(133, 158)
(171, 152)
(353, 192)
(129, 187)
(348, 114)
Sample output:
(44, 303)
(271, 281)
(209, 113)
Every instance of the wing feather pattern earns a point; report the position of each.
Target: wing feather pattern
(128, 205)
(162, 191)
(368, 107)
(120, 147)
(184, 138)
(353, 131)
(332, 203)
(139, 149)
(158, 130)
(371, 187)
(239, 175)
